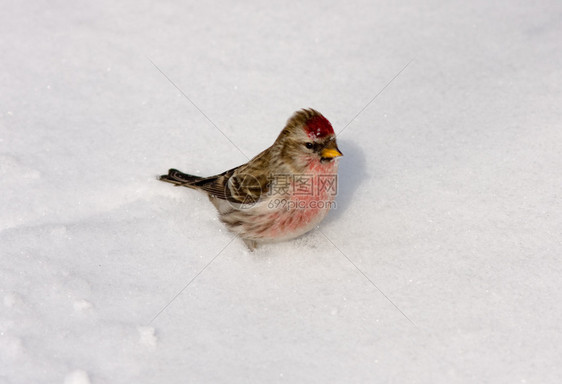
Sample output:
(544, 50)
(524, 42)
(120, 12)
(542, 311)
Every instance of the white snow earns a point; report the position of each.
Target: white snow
(147, 336)
(77, 377)
(449, 198)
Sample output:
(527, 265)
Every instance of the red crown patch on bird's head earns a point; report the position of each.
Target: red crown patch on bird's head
(318, 126)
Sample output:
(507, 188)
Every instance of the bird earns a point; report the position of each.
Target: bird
(284, 191)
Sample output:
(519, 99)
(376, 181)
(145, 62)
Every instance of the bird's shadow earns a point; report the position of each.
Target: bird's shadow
(351, 173)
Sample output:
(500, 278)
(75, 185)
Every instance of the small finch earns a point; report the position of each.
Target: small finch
(283, 192)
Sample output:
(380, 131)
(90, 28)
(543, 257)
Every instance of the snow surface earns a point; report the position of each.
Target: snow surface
(449, 200)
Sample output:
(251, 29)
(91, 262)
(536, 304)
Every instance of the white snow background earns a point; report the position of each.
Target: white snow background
(449, 197)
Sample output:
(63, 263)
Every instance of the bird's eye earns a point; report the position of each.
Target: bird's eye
(309, 145)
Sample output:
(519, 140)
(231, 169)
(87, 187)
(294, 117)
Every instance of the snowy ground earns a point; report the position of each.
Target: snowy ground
(450, 192)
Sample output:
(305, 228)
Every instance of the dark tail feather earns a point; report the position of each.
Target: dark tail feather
(179, 178)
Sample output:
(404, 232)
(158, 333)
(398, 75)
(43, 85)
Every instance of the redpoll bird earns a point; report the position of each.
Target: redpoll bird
(283, 192)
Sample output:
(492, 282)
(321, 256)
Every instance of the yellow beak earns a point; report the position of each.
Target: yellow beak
(330, 153)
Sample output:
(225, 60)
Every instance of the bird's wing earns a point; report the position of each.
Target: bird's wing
(245, 184)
